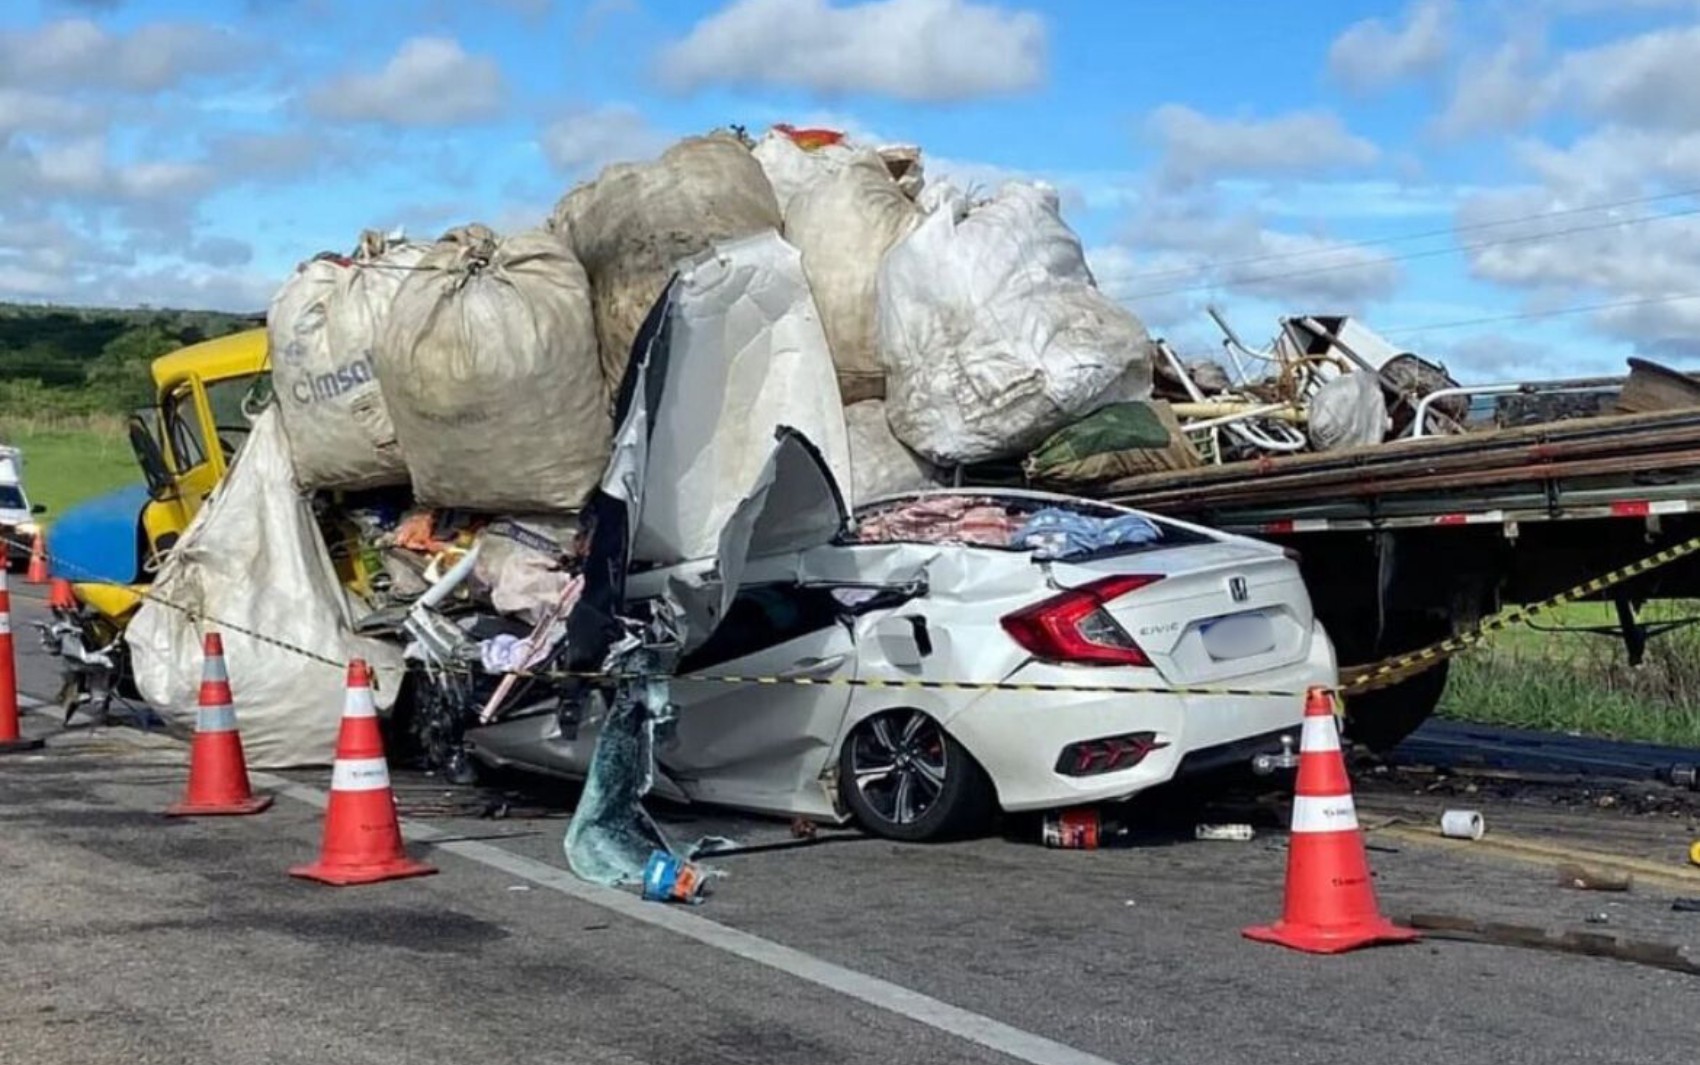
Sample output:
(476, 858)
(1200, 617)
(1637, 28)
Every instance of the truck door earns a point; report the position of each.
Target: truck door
(196, 467)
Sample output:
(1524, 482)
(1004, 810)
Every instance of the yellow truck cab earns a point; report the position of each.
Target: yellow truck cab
(184, 443)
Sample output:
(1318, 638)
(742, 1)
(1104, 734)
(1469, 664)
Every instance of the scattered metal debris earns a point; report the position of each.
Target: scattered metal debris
(1592, 944)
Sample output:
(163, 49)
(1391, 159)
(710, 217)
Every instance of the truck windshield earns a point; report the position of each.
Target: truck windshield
(225, 398)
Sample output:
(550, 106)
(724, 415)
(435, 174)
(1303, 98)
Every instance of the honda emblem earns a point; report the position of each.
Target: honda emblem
(1238, 589)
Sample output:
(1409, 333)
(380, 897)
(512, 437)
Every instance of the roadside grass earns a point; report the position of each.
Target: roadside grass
(1569, 681)
(68, 460)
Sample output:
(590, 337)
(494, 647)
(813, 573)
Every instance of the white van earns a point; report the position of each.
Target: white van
(17, 516)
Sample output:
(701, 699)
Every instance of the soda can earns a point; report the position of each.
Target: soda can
(1072, 829)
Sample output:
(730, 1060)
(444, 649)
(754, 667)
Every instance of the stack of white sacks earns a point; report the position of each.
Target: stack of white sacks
(961, 328)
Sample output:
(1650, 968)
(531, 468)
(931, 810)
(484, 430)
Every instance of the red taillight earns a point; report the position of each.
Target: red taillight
(1075, 627)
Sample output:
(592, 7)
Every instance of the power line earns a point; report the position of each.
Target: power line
(1374, 242)
(1526, 316)
(1408, 256)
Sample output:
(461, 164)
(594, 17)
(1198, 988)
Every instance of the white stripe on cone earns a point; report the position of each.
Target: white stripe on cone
(214, 669)
(1324, 813)
(215, 719)
(360, 774)
(359, 703)
(1320, 734)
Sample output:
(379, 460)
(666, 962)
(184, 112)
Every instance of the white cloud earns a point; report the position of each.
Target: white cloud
(1614, 162)
(1371, 55)
(1496, 92)
(22, 110)
(78, 166)
(430, 81)
(1631, 254)
(931, 50)
(1652, 79)
(1193, 246)
(1197, 146)
(591, 138)
(221, 251)
(78, 54)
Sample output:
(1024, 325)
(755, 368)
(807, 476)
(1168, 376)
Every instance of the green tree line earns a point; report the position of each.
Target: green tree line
(74, 360)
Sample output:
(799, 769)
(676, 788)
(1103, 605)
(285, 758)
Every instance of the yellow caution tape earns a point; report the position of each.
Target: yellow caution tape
(1402, 667)
(1353, 680)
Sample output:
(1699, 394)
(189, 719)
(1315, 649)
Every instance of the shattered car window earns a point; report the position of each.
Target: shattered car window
(765, 616)
(1049, 528)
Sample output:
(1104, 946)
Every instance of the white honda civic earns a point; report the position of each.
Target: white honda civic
(920, 663)
(952, 591)
(954, 653)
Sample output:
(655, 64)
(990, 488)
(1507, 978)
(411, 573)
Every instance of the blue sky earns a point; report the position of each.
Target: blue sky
(1437, 167)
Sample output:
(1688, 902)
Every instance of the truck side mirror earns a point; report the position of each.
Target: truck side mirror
(38, 508)
(152, 461)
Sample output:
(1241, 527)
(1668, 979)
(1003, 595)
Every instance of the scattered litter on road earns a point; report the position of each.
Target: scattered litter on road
(1583, 878)
(1462, 824)
(667, 878)
(519, 887)
(1079, 829)
(1239, 833)
(1685, 906)
(1599, 917)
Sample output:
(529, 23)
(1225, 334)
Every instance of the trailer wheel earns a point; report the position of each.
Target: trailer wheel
(1381, 719)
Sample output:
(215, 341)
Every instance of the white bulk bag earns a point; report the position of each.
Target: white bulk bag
(253, 561)
(321, 328)
(792, 170)
(636, 222)
(879, 463)
(489, 366)
(844, 224)
(992, 331)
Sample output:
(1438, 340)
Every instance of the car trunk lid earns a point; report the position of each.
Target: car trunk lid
(1220, 610)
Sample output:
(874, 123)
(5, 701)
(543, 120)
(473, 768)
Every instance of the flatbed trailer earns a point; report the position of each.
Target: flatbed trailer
(1406, 543)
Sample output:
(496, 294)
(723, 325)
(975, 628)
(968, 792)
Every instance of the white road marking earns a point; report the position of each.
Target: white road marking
(924, 1009)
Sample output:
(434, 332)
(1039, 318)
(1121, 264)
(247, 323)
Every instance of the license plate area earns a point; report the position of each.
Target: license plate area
(1236, 636)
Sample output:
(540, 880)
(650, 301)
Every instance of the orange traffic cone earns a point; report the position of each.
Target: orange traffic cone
(1330, 905)
(362, 843)
(11, 738)
(37, 573)
(218, 774)
(60, 595)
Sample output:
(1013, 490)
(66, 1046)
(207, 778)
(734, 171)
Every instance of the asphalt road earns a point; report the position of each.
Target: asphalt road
(128, 938)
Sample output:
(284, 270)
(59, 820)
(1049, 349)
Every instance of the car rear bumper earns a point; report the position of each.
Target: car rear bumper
(1018, 737)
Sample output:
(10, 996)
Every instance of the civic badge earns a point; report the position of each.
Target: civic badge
(1237, 588)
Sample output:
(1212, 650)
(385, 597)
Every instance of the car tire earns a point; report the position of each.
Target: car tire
(1381, 719)
(932, 790)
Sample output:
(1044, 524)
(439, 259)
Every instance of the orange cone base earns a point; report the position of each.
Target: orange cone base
(20, 746)
(235, 807)
(345, 875)
(1331, 940)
